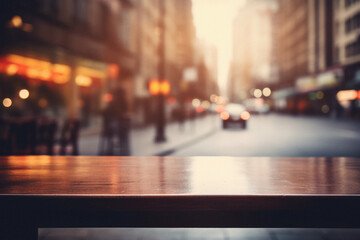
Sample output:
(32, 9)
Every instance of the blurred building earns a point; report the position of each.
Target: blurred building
(206, 60)
(70, 54)
(310, 70)
(80, 51)
(147, 58)
(347, 40)
(252, 49)
(179, 52)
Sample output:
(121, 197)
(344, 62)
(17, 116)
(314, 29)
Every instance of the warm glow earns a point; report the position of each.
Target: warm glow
(347, 95)
(225, 115)
(196, 102)
(266, 92)
(108, 97)
(113, 71)
(83, 81)
(16, 21)
(257, 93)
(93, 73)
(38, 73)
(165, 87)
(29, 62)
(7, 102)
(24, 93)
(27, 27)
(245, 115)
(11, 69)
(213, 20)
(154, 86)
(36, 69)
(61, 73)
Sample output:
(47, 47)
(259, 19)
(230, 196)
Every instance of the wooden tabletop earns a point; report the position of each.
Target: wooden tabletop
(44, 191)
(44, 175)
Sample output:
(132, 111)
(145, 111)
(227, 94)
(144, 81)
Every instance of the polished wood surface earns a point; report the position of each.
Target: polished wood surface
(42, 191)
(178, 176)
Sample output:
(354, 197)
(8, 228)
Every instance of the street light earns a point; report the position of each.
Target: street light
(160, 123)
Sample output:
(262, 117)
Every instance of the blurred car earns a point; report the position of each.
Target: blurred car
(235, 113)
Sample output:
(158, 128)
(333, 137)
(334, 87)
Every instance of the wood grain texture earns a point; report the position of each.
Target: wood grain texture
(171, 175)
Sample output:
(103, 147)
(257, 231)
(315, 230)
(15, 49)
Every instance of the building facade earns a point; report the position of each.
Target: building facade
(252, 49)
(178, 43)
(55, 47)
(310, 73)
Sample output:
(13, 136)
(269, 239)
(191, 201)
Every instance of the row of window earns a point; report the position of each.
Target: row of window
(352, 23)
(353, 49)
(348, 3)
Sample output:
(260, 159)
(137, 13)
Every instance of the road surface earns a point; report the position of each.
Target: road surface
(282, 136)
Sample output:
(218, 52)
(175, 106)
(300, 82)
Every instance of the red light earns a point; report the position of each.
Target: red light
(113, 71)
(108, 97)
(358, 95)
(245, 115)
(225, 116)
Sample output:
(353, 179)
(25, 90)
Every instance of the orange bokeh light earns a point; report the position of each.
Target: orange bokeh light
(154, 86)
(113, 71)
(225, 115)
(34, 69)
(165, 87)
(245, 115)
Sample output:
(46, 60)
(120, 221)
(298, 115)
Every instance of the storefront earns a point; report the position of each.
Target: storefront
(70, 87)
(316, 94)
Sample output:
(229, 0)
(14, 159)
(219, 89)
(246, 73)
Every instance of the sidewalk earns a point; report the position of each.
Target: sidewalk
(142, 139)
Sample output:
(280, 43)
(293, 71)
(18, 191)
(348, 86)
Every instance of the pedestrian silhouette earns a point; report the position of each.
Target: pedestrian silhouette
(115, 127)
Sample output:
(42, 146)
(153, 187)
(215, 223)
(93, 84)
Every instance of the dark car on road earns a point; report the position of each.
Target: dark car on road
(235, 113)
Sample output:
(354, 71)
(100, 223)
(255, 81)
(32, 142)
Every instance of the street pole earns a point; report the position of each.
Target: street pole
(160, 124)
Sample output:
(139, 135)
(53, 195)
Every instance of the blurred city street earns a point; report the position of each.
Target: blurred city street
(271, 135)
(142, 139)
(282, 136)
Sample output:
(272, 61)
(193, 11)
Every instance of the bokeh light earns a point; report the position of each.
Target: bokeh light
(266, 92)
(245, 115)
(257, 93)
(196, 102)
(24, 93)
(7, 102)
(16, 21)
(225, 115)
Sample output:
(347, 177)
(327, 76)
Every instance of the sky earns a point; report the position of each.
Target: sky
(213, 22)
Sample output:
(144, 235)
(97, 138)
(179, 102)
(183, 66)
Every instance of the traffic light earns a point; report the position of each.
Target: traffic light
(157, 87)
